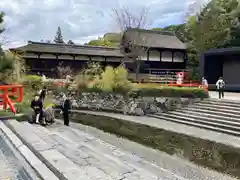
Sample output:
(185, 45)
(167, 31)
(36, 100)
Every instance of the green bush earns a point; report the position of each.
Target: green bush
(111, 80)
(32, 81)
(115, 80)
(23, 107)
(184, 92)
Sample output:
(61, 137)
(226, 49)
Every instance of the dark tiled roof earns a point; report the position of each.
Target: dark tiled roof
(154, 39)
(69, 49)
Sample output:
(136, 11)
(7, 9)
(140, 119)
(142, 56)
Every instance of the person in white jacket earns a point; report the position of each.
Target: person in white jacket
(204, 82)
(220, 87)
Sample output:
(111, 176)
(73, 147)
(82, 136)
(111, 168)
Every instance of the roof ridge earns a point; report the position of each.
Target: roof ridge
(160, 32)
(72, 45)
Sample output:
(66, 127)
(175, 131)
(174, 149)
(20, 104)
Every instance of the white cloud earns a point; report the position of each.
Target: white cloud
(80, 20)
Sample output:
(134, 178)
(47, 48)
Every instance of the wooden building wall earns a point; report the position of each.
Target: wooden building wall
(153, 60)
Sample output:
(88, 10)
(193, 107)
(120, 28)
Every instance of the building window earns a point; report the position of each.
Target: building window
(166, 56)
(178, 57)
(154, 55)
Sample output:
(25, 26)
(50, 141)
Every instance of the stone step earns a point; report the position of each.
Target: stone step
(107, 161)
(194, 123)
(61, 166)
(219, 107)
(211, 114)
(223, 101)
(228, 124)
(213, 110)
(206, 121)
(220, 103)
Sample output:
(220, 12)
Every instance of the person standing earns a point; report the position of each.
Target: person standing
(66, 107)
(220, 86)
(204, 82)
(43, 93)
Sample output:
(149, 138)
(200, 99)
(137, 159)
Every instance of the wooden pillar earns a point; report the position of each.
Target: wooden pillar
(148, 55)
(185, 60)
(160, 55)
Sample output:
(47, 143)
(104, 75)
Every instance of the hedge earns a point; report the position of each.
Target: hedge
(184, 92)
(133, 90)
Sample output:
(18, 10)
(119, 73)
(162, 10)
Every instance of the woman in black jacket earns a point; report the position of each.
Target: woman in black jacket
(66, 107)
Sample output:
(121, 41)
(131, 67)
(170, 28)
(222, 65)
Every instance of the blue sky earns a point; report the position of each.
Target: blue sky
(80, 20)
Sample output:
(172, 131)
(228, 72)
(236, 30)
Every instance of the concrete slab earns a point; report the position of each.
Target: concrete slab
(68, 169)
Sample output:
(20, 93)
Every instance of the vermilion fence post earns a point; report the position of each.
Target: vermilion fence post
(8, 92)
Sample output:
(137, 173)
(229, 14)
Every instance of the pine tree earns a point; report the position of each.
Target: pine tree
(58, 38)
(70, 42)
(1, 21)
(1, 30)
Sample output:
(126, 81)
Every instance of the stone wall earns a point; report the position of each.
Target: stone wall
(132, 106)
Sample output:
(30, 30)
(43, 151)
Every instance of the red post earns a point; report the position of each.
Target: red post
(16, 91)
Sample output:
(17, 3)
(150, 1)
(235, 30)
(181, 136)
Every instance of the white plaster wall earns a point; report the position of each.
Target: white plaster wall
(166, 56)
(154, 55)
(144, 57)
(97, 59)
(48, 56)
(178, 57)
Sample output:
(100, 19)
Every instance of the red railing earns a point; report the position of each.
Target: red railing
(10, 94)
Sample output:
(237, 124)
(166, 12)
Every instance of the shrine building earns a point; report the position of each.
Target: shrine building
(164, 55)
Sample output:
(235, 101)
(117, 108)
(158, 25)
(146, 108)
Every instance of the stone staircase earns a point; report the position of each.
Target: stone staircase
(212, 114)
(75, 155)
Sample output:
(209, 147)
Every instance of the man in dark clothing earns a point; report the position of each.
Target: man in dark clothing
(66, 107)
(37, 106)
(43, 93)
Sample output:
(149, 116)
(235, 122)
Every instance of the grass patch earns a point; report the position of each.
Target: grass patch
(206, 153)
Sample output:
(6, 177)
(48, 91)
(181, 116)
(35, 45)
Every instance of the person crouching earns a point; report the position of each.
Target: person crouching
(37, 106)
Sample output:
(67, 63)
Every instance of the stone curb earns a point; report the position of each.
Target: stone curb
(35, 163)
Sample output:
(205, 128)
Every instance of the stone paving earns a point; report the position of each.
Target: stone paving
(227, 95)
(11, 167)
(80, 152)
(180, 167)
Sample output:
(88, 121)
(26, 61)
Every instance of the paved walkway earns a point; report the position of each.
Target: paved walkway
(228, 95)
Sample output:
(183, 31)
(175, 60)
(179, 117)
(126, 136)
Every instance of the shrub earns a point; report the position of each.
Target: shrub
(165, 91)
(121, 83)
(115, 80)
(32, 81)
(106, 82)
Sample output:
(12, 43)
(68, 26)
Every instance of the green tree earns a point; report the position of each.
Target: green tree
(100, 42)
(58, 38)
